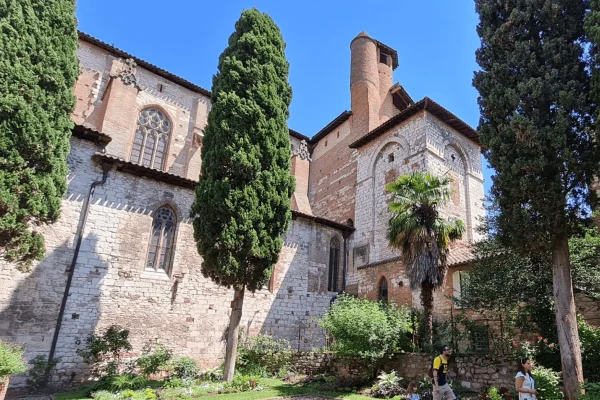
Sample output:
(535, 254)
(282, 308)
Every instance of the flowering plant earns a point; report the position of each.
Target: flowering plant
(539, 348)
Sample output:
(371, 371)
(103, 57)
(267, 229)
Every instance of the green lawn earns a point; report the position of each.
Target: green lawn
(272, 388)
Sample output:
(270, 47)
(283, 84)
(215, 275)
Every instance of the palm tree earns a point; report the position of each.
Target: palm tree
(423, 237)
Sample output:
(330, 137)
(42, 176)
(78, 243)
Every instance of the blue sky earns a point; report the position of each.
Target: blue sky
(435, 40)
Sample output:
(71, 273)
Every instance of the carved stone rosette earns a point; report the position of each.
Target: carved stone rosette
(301, 151)
(127, 73)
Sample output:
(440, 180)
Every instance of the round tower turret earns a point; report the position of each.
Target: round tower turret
(364, 84)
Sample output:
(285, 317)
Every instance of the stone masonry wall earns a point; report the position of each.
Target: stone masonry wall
(182, 310)
(421, 143)
(30, 301)
(473, 372)
(381, 162)
(450, 153)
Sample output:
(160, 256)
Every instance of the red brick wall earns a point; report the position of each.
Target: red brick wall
(332, 186)
(398, 289)
(301, 171)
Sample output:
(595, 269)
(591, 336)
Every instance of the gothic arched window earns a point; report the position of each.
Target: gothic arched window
(162, 240)
(382, 290)
(334, 265)
(151, 139)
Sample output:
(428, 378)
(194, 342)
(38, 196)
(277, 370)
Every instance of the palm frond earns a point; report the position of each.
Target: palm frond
(416, 229)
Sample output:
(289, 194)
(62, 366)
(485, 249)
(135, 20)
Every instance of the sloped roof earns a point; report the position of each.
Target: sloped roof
(140, 170)
(87, 133)
(461, 254)
(337, 121)
(426, 104)
(144, 64)
(388, 50)
(159, 71)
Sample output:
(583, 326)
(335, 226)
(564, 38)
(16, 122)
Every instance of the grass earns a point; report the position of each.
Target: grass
(272, 388)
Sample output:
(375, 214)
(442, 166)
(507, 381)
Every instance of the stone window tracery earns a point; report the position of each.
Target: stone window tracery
(151, 139)
(334, 265)
(162, 238)
(382, 290)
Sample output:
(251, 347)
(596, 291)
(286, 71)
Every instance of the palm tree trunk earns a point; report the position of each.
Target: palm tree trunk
(427, 303)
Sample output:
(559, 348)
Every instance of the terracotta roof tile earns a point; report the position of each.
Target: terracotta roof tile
(460, 254)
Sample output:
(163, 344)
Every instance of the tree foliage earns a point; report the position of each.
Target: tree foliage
(519, 289)
(423, 236)
(38, 70)
(502, 280)
(533, 88)
(535, 125)
(592, 29)
(242, 204)
(366, 329)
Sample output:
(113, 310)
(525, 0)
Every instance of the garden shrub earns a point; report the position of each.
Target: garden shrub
(547, 354)
(127, 382)
(40, 370)
(547, 383)
(264, 356)
(387, 386)
(103, 352)
(254, 369)
(152, 363)
(589, 337)
(243, 383)
(592, 391)
(366, 329)
(184, 367)
(11, 360)
(494, 393)
(211, 375)
(176, 382)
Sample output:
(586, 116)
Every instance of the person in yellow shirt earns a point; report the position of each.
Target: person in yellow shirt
(441, 388)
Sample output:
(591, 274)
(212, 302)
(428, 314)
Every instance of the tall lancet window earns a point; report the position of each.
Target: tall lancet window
(161, 242)
(334, 265)
(382, 290)
(151, 139)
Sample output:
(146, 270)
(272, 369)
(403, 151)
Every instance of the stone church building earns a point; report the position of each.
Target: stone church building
(123, 252)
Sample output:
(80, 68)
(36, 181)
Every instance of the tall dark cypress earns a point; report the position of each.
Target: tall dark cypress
(242, 205)
(535, 124)
(38, 70)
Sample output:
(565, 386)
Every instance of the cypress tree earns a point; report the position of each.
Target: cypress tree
(38, 70)
(592, 29)
(534, 123)
(242, 205)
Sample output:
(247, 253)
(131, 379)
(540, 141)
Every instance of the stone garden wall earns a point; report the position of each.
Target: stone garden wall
(473, 372)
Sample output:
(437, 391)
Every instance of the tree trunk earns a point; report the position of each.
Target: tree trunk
(3, 386)
(566, 319)
(427, 303)
(232, 334)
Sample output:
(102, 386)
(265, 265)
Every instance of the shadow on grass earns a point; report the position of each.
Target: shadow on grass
(273, 388)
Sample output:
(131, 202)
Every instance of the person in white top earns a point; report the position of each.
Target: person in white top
(524, 383)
